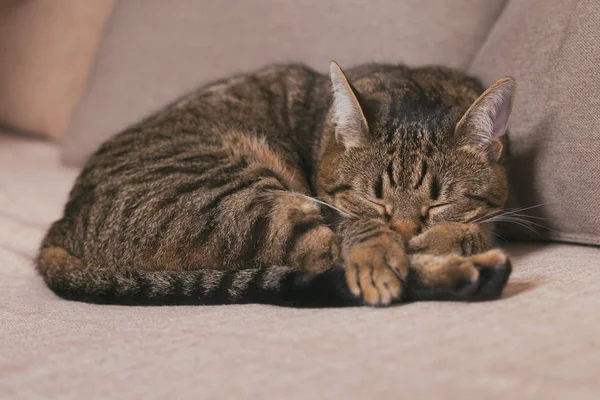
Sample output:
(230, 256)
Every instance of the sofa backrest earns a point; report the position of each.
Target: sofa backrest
(153, 51)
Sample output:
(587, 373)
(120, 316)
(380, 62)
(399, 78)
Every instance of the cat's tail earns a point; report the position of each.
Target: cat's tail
(280, 285)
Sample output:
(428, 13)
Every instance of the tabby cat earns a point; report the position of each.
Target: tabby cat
(289, 187)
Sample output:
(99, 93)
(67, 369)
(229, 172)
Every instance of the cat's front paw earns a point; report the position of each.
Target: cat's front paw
(376, 268)
(451, 238)
(476, 278)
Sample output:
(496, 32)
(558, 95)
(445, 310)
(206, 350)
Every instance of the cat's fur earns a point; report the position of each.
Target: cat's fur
(206, 202)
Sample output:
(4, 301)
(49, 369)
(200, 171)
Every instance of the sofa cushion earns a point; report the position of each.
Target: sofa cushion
(552, 49)
(46, 52)
(540, 341)
(155, 51)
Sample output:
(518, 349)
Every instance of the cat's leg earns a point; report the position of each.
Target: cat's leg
(375, 261)
(453, 238)
(261, 214)
(451, 261)
(447, 262)
(371, 253)
(297, 235)
(266, 223)
(273, 221)
(239, 205)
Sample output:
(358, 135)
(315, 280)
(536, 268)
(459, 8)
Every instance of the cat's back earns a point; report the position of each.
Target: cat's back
(247, 100)
(284, 104)
(272, 101)
(286, 100)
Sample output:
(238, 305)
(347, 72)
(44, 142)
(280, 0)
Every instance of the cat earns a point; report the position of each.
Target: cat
(286, 186)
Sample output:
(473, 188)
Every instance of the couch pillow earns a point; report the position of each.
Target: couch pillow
(155, 51)
(552, 48)
(46, 51)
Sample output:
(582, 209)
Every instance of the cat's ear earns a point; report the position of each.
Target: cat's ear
(351, 127)
(483, 126)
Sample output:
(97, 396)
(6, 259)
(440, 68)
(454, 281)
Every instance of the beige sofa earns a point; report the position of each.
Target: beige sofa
(539, 341)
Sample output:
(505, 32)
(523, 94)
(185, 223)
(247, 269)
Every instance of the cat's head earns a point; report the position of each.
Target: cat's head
(415, 153)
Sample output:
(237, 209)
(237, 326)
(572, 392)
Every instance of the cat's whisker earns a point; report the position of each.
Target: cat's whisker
(520, 224)
(524, 224)
(523, 218)
(525, 221)
(342, 212)
(509, 212)
(527, 216)
(483, 218)
(512, 210)
(530, 219)
(498, 235)
(510, 218)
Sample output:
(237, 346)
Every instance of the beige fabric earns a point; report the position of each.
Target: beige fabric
(552, 49)
(154, 51)
(46, 52)
(539, 342)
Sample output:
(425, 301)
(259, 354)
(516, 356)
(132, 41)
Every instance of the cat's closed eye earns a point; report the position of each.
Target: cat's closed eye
(483, 199)
(431, 211)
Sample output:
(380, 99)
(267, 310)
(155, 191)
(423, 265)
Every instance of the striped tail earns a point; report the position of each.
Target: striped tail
(286, 286)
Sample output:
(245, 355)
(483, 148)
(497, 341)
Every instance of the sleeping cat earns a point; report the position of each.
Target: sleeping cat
(289, 187)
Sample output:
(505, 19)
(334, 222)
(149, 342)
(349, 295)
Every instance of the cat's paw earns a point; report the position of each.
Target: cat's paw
(476, 278)
(494, 270)
(451, 238)
(376, 269)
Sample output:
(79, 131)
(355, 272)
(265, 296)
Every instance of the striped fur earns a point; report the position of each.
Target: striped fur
(243, 191)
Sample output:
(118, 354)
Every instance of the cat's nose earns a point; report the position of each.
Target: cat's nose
(406, 228)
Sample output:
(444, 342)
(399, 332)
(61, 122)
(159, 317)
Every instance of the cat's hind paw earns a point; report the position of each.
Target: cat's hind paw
(475, 278)
(494, 270)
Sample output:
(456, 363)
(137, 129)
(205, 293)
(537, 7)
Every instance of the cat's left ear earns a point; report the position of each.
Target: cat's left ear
(483, 126)
(351, 127)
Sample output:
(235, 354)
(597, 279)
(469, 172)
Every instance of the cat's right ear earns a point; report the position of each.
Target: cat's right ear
(351, 127)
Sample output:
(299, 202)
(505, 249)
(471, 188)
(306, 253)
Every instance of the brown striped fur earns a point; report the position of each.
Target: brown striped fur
(212, 200)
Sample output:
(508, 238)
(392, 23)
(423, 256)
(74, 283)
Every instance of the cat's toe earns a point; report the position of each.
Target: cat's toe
(465, 281)
(376, 269)
(494, 270)
(374, 284)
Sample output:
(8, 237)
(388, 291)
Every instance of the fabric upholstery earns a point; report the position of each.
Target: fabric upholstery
(46, 52)
(540, 341)
(155, 51)
(551, 48)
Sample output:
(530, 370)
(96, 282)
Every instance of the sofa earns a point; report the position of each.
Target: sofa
(540, 340)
